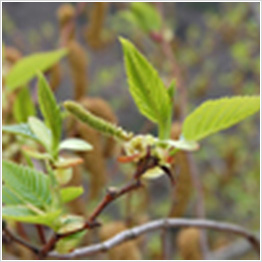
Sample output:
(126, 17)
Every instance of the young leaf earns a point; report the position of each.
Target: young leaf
(29, 185)
(41, 131)
(147, 89)
(23, 106)
(26, 68)
(216, 115)
(50, 110)
(171, 91)
(24, 214)
(70, 193)
(21, 129)
(75, 145)
(97, 123)
(146, 16)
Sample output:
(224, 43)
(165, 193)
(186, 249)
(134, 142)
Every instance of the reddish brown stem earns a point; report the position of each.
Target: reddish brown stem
(41, 233)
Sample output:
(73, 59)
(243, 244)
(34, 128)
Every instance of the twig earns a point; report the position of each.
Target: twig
(41, 233)
(13, 237)
(111, 195)
(156, 225)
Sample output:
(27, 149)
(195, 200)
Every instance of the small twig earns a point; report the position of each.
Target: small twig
(111, 195)
(13, 237)
(41, 233)
(156, 225)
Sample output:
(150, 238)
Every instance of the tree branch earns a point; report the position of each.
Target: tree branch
(18, 240)
(156, 225)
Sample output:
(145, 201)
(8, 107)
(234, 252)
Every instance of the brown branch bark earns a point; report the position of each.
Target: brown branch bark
(156, 225)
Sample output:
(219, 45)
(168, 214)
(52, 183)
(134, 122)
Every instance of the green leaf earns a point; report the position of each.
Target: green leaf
(21, 129)
(70, 193)
(50, 110)
(29, 185)
(10, 198)
(171, 91)
(24, 214)
(147, 89)
(146, 16)
(23, 106)
(41, 131)
(216, 115)
(75, 145)
(26, 68)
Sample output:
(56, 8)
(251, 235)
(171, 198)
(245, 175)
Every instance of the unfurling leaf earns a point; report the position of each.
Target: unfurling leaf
(75, 144)
(23, 106)
(216, 115)
(70, 193)
(21, 129)
(63, 175)
(26, 68)
(50, 110)
(41, 132)
(147, 89)
(97, 123)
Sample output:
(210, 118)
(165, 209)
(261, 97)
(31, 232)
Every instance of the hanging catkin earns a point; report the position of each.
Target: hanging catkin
(94, 30)
(183, 189)
(188, 242)
(77, 56)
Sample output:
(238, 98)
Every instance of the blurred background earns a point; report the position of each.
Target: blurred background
(212, 50)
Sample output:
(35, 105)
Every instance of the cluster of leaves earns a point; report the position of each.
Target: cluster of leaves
(29, 195)
(34, 197)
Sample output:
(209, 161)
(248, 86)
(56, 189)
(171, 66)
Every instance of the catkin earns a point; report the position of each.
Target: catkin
(78, 66)
(125, 251)
(54, 76)
(94, 30)
(188, 242)
(103, 147)
(183, 189)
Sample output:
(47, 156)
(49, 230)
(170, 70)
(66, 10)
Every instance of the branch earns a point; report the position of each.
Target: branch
(156, 225)
(18, 240)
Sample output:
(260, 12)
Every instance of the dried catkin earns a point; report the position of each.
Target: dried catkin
(76, 54)
(66, 15)
(125, 251)
(94, 30)
(78, 66)
(188, 242)
(54, 74)
(183, 189)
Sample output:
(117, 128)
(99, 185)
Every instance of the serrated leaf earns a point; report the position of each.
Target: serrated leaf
(10, 198)
(75, 145)
(24, 214)
(147, 89)
(29, 185)
(41, 132)
(21, 129)
(23, 106)
(50, 109)
(146, 16)
(26, 68)
(216, 115)
(70, 193)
